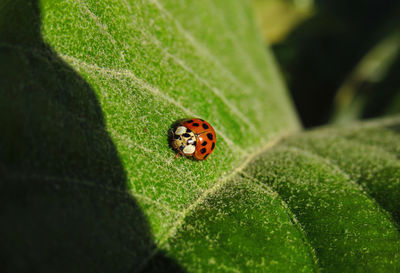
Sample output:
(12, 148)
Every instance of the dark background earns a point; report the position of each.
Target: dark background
(321, 54)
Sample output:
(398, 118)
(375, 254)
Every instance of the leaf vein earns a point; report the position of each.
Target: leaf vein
(181, 63)
(198, 46)
(243, 53)
(216, 186)
(290, 214)
(146, 86)
(332, 163)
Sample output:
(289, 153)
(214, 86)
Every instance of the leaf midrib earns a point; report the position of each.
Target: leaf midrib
(170, 233)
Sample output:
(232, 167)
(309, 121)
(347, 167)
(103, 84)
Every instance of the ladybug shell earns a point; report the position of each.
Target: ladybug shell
(205, 137)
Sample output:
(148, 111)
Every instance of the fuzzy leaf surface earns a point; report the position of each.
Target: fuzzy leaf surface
(89, 90)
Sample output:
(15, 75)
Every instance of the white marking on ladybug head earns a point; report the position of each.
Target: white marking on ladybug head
(189, 149)
(180, 130)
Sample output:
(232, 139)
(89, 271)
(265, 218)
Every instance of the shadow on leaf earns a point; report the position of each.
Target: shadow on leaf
(65, 204)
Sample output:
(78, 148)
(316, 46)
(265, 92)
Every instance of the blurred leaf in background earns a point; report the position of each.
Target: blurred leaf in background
(365, 92)
(279, 17)
(341, 59)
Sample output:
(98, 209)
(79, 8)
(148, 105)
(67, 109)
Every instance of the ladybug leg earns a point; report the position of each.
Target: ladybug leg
(178, 154)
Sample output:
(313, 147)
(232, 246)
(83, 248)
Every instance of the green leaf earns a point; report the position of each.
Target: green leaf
(150, 66)
(88, 93)
(144, 65)
(325, 200)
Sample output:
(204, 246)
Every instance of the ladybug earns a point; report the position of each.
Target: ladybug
(194, 137)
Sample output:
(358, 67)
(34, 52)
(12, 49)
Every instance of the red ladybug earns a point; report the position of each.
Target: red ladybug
(194, 137)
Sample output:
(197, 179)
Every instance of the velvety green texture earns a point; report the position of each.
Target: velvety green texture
(325, 200)
(89, 91)
(156, 63)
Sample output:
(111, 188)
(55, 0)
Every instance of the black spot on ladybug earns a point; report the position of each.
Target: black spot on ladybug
(181, 147)
(205, 126)
(210, 136)
(188, 130)
(194, 143)
(203, 151)
(176, 137)
(205, 156)
(189, 121)
(213, 146)
(204, 143)
(186, 135)
(196, 124)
